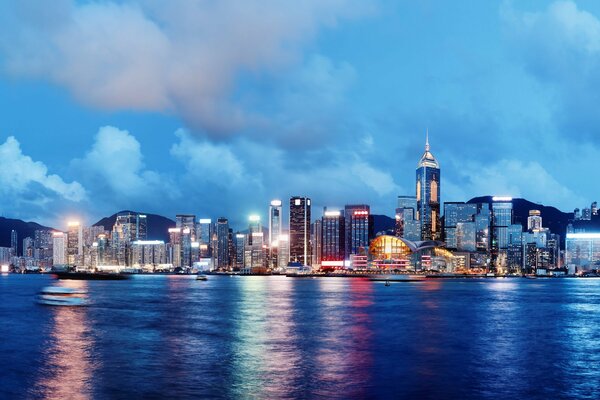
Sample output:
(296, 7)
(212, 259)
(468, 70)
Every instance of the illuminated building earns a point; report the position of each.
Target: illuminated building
(428, 195)
(275, 227)
(74, 243)
(332, 239)
(456, 213)
(222, 243)
(148, 254)
(59, 248)
(317, 242)
(358, 228)
(186, 221)
(407, 226)
(582, 251)
(187, 224)
(283, 251)
(203, 236)
(174, 248)
(391, 252)
(534, 221)
(502, 212)
(255, 249)
(240, 245)
(300, 249)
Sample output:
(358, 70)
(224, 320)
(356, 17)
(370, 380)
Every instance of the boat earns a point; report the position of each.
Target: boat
(387, 283)
(201, 278)
(62, 296)
(92, 276)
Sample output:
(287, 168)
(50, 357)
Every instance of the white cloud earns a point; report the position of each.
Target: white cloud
(18, 172)
(114, 167)
(180, 56)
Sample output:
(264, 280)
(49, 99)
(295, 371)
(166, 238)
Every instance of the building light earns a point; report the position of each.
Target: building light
(276, 203)
(501, 198)
(254, 218)
(73, 223)
(361, 213)
(174, 230)
(205, 220)
(586, 235)
(332, 213)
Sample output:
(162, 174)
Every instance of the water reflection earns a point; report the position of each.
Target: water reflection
(68, 363)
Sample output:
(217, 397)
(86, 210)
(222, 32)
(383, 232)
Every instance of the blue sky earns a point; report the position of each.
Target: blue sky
(214, 108)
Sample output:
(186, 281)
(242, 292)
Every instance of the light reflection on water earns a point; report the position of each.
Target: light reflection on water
(277, 337)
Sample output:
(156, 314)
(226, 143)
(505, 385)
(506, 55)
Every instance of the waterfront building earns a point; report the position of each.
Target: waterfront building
(407, 226)
(240, 246)
(254, 257)
(428, 195)
(582, 251)
(332, 239)
(74, 243)
(14, 243)
(103, 255)
(59, 248)
(466, 236)
(317, 242)
(222, 243)
(204, 229)
(148, 254)
(174, 248)
(393, 253)
(300, 249)
(275, 227)
(283, 251)
(358, 228)
(502, 217)
(456, 213)
(530, 258)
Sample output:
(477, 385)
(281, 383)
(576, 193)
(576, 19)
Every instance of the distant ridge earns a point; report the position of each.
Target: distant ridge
(158, 226)
(24, 229)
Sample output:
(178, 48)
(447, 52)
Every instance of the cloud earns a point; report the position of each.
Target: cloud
(115, 169)
(19, 171)
(510, 177)
(560, 47)
(181, 57)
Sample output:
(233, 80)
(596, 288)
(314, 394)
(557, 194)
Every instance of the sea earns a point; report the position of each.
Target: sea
(272, 337)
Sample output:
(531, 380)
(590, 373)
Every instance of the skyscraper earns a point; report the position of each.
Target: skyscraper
(332, 239)
(187, 224)
(358, 229)
(428, 195)
(14, 243)
(275, 226)
(74, 243)
(300, 250)
(203, 236)
(222, 243)
(502, 212)
(407, 226)
(59, 248)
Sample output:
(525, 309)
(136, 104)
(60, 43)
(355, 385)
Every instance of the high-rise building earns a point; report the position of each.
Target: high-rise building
(456, 213)
(186, 221)
(174, 248)
(332, 239)
(317, 242)
(428, 195)
(125, 230)
(222, 243)
(534, 221)
(300, 250)
(586, 214)
(358, 229)
(240, 248)
(407, 225)
(14, 243)
(255, 245)
(502, 212)
(594, 208)
(59, 248)
(204, 229)
(275, 227)
(28, 247)
(74, 243)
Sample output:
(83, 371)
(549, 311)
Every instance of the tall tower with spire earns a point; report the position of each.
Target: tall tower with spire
(428, 194)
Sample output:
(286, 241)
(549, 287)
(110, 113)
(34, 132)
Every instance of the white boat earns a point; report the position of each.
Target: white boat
(62, 296)
(201, 278)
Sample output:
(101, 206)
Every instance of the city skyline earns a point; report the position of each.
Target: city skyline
(319, 109)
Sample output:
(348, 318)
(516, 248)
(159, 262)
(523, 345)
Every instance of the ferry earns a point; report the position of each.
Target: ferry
(62, 296)
(201, 277)
(91, 276)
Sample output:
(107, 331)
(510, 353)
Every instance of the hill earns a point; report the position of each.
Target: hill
(24, 229)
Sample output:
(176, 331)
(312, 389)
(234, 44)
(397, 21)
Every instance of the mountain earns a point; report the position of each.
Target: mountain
(552, 218)
(24, 229)
(383, 223)
(158, 226)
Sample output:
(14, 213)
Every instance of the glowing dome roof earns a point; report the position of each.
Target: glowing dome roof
(427, 159)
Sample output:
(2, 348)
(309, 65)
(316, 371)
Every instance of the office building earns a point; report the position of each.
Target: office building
(300, 249)
(332, 238)
(222, 243)
(534, 221)
(59, 248)
(428, 195)
(407, 226)
(358, 229)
